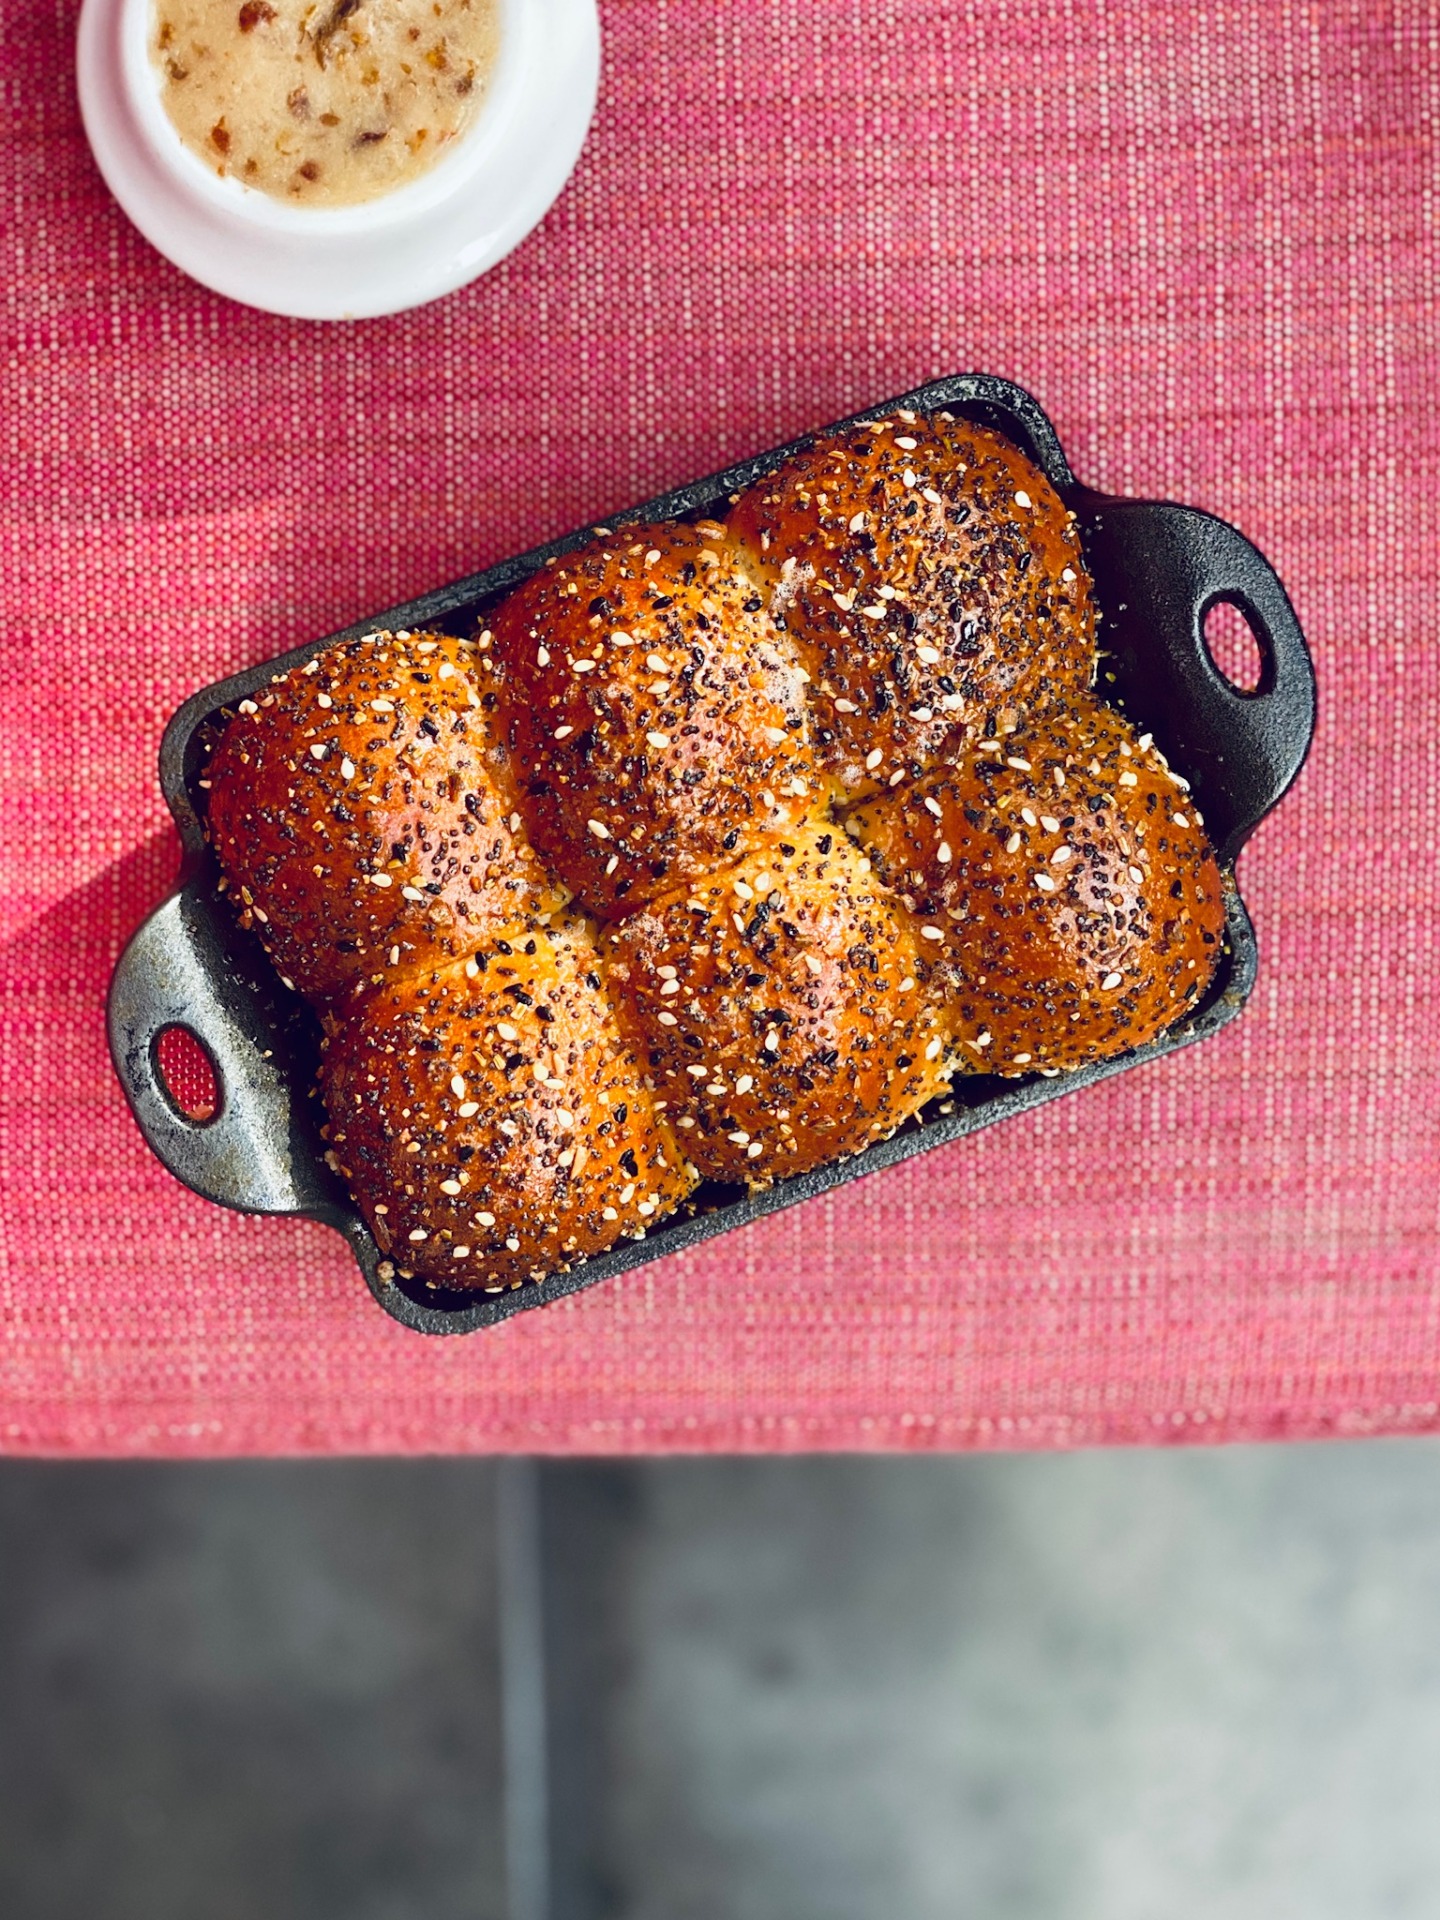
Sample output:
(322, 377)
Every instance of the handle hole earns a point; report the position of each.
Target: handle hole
(1231, 643)
(187, 1075)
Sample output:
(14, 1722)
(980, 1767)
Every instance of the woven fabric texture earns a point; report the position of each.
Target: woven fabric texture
(1203, 235)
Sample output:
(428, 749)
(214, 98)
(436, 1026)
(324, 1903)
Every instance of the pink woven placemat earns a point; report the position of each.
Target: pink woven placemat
(1203, 235)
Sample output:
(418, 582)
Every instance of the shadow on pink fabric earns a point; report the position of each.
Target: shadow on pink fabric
(1204, 237)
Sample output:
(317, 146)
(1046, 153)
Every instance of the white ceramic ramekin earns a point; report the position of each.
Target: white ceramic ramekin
(344, 263)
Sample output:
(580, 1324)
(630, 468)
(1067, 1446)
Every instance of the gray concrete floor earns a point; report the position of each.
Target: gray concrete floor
(1103, 1687)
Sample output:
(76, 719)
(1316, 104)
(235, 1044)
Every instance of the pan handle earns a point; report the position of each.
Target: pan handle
(259, 1152)
(1159, 569)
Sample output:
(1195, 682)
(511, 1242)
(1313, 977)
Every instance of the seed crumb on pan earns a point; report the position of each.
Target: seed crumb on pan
(715, 854)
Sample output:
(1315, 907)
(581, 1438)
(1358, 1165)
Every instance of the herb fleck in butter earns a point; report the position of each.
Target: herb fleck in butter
(324, 103)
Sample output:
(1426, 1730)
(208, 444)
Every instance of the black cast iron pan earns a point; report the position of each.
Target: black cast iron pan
(1158, 570)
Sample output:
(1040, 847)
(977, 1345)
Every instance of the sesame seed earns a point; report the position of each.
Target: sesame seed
(904, 440)
(857, 522)
(1180, 819)
(417, 1234)
(1012, 843)
(772, 1041)
(932, 933)
(1061, 855)
(744, 1083)
(248, 706)
(1050, 823)
(656, 663)
(930, 655)
(506, 1031)
(542, 656)
(457, 1085)
(658, 740)
(608, 1213)
(942, 853)
(775, 735)
(513, 1245)
(907, 984)
(932, 806)
(612, 863)
(922, 713)
(318, 752)
(563, 733)
(379, 879)
(449, 1186)
(1129, 780)
(394, 956)
(846, 706)
(383, 706)
(471, 1107)
(697, 1073)
(1059, 777)
(666, 973)
(908, 477)
(933, 1050)
(460, 1253)
(472, 969)
(1045, 883)
(1111, 981)
(754, 1150)
(669, 986)
(347, 769)
(583, 666)
(1014, 760)
(667, 1019)
(1067, 575)
(932, 496)
(741, 1139)
(982, 1040)
(1021, 1059)
(874, 613)
(411, 893)
(873, 759)
(716, 1087)
(598, 828)
(743, 891)
(1022, 499)
(485, 1219)
(323, 700)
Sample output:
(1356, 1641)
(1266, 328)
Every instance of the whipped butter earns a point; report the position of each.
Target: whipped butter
(326, 104)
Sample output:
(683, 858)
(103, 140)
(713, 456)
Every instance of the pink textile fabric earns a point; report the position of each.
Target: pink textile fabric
(1203, 235)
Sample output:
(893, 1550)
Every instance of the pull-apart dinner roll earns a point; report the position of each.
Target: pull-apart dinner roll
(658, 720)
(927, 574)
(781, 1007)
(1072, 874)
(831, 784)
(491, 1119)
(364, 812)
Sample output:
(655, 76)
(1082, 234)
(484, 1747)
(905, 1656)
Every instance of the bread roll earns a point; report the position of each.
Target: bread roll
(1069, 868)
(491, 1120)
(928, 576)
(658, 722)
(364, 812)
(781, 1007)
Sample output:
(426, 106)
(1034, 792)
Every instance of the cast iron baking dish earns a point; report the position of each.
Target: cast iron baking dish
(1158, 570)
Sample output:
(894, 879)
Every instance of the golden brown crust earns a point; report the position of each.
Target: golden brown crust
(781, 1008)
(898, 625)
(658, 723)
(928, 575)
(364, 813)
(1081, 902)
(472, 1169)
